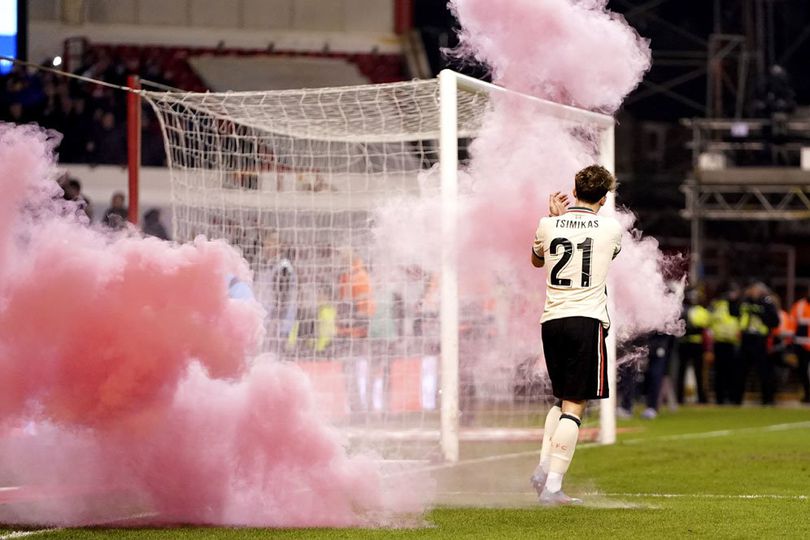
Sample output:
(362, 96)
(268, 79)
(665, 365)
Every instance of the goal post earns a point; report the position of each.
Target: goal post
(315, 187)
(448, 159)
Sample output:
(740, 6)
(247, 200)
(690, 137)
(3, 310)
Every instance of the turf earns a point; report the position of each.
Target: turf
(700, 472)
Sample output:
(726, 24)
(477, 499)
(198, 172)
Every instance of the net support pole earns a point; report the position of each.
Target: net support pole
(133, 145)
(607, 409)
(448, 168)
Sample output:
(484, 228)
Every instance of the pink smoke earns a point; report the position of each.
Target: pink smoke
(569, 51)
(126, 364)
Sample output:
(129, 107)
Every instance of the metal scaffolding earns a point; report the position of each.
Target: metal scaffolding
(718, 190)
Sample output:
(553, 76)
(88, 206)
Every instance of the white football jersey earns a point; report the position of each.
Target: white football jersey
(577, 247)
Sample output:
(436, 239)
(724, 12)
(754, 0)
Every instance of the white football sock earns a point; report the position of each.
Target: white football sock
(563, 444)
(552, 419)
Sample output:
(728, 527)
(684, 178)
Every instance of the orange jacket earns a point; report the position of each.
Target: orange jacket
(800, 319)
(355, 286)
(783, 334)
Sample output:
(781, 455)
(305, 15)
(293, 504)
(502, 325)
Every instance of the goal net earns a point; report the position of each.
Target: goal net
(327, 192)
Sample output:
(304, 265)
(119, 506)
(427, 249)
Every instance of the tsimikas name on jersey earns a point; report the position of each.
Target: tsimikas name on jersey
(576, 224)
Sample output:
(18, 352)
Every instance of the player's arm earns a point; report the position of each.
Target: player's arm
(538, 259)
(537, 262)
(557, 205)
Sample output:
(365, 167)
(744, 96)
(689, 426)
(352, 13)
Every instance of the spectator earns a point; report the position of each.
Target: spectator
(238, 289)
(691, 345)
(78, 126)
(629, 373)
(152, 226)
(73, 192)
(725, 327)
(781, 340)
(800, 320)
(108, 144)
(355, 308)
(152, 153)
(758, 316)
(277, 289)
(16, 113)
(116, 215)
(327, 320)
(355, 295)
(660, 348)
(79, 110)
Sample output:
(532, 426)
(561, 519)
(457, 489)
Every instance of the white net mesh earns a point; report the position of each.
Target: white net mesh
(301, 182)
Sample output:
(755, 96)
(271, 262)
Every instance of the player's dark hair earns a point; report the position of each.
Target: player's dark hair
(592, 183)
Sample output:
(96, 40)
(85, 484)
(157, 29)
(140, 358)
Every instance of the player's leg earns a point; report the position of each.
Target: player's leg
(721, 368)
(804, 376)
(563, 443)
(541, 471)
(553, 345)
(697, 363)
(586, 378)
(683, 362)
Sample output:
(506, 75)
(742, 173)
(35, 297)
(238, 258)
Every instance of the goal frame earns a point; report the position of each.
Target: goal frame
(450, 82)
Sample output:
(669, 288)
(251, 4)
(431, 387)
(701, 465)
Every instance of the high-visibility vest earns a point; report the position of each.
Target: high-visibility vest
(800, 318)
(725, 327)
(783, 334)
(750, 321)
(698, 319)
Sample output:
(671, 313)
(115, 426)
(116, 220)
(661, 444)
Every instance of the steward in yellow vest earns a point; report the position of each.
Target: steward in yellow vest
(692, 345)
(725, 329)
(758, 315)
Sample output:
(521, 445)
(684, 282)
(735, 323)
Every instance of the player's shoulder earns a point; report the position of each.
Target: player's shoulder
(545, 222)
(609, 222)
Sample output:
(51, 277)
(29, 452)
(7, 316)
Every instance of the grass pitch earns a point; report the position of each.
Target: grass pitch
(701, 472)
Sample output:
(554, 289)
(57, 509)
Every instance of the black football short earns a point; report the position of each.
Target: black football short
(576, 358)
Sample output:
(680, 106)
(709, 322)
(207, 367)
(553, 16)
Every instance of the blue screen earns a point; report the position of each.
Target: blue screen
(8, 32)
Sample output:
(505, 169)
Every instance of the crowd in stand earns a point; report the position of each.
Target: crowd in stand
(116, 215)
(90, 117)
(744, 339)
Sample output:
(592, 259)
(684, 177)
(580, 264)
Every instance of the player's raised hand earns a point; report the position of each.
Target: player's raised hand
(557, 203)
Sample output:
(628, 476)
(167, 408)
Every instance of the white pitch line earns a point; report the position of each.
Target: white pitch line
(23, 534)
(644, 495)
(704, 496)
(476, 461)
(683, 436)
(720, 433)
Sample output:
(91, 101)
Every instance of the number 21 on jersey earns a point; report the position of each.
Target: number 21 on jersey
(585, 248)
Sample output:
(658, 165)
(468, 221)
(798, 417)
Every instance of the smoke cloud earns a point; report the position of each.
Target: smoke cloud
(125, 385)
(572, 52)
(576, 53)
